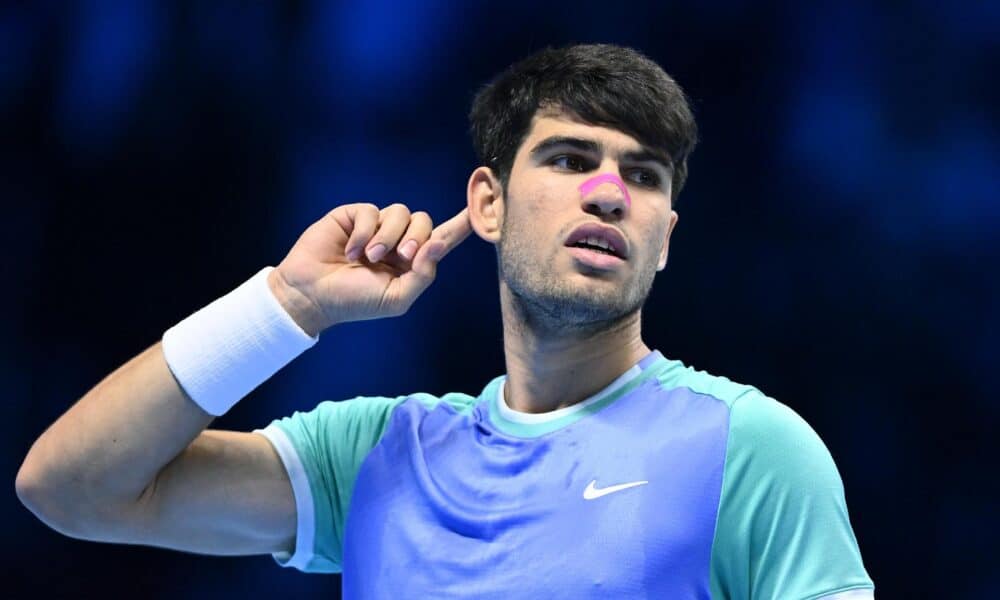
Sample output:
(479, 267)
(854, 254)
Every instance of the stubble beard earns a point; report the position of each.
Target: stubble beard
(550, 305)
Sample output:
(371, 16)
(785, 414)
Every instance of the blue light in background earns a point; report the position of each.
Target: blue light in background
(359, 54)
(111, 48)
(387, 42)
(833, 136)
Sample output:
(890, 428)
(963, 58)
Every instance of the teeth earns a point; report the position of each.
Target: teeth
(600, 242)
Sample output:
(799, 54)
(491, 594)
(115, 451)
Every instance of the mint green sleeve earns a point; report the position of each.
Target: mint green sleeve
(783, 530)
(322, 451)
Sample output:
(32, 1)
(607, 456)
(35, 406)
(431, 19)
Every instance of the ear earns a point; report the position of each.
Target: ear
(485, 202)
(666, 241)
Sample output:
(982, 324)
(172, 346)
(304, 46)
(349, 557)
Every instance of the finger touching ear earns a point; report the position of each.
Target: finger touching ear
(484, 198)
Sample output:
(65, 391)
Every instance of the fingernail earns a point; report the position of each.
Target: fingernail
(375, 253)
(407, 249)
(353, 255)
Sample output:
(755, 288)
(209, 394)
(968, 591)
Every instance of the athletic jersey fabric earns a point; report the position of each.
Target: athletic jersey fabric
(668, 483)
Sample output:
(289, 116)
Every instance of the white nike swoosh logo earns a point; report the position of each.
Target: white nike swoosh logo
(592, 492)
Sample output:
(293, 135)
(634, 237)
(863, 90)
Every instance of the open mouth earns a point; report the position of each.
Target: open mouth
(599, 239)
(595, 257)
(595, 248)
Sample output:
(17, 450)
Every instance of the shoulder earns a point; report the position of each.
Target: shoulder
(757, 421)
(358, 423)
(455, 401)
(782, 527)
(381, 407)
(675, 374)
(771, 440)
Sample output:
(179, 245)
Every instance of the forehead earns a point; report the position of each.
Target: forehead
(551, 121)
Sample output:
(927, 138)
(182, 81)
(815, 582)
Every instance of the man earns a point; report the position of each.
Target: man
(595, 467)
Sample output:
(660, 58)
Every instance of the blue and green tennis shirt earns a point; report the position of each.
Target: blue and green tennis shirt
(668, 483)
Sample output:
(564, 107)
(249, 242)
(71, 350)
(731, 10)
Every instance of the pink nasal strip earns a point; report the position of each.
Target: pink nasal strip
(588, 186)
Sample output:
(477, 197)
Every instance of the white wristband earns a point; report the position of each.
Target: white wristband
(225, 350)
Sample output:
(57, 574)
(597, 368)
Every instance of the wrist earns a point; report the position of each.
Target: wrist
(224, 351)
(299, 307)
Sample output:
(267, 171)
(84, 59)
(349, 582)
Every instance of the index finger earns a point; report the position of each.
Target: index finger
(452, 232)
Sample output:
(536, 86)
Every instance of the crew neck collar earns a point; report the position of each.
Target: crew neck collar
(525, 424)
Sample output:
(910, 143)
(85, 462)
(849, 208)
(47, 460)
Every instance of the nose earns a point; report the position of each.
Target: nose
(605, 193)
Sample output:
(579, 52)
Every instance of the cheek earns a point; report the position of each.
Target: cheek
(540, 199)
(654, 242)
(535, 212)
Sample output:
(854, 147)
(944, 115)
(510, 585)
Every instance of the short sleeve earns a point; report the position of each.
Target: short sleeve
(783, 530)
(322, 451)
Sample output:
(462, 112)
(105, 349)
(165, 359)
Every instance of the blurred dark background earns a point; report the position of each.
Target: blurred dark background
(838, 242)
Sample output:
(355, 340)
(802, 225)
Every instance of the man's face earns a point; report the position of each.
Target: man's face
(557, 286)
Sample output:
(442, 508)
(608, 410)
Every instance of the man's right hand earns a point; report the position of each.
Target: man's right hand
(336, 271)
(131, 462)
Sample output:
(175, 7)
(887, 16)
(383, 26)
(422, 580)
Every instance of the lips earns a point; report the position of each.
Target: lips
(607, 233)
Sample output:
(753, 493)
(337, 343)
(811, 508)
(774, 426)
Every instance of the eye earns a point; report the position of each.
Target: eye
(645, 177)
(569, 161)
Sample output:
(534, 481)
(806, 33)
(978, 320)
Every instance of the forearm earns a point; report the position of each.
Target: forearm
(108, 447)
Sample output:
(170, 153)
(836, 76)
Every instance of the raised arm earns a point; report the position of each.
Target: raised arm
(131, 461)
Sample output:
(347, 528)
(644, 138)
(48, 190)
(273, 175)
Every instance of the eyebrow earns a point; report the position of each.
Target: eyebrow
(594, 147)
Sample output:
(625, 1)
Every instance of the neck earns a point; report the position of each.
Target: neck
(551, 369)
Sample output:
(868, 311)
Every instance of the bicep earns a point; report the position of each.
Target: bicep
(227, 493)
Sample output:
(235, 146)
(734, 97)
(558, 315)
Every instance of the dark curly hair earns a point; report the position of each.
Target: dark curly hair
(602, 84)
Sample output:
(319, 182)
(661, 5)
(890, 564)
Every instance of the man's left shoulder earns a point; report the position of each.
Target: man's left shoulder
(676, 374)
(771, 425)
(758, 423)
(775, 449)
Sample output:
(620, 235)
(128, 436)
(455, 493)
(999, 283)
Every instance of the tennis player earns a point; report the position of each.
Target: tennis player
(595, 467)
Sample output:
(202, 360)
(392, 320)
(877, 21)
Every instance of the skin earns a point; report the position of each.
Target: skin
(570, 330)
(131, 461)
